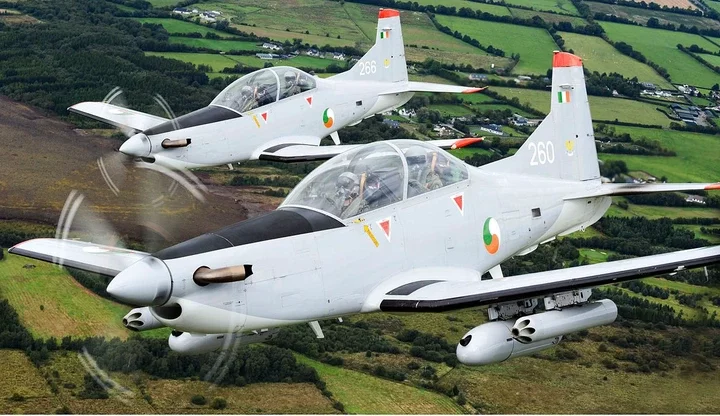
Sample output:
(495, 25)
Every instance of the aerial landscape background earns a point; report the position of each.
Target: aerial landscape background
(653, 75)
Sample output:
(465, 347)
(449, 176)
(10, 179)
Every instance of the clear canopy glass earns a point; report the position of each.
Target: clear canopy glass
(376, 175)
(264, 87)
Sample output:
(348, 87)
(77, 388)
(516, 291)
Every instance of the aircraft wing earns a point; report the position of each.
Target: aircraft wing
(413, 86)
(443, 291)
(619, 189)
(90, 257)
(117, 116)
(308, 153)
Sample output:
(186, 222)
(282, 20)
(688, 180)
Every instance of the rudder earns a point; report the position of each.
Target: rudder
(563, 145)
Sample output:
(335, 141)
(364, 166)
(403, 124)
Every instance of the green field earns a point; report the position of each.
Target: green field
(600, 56)
(549, 17)
(422, 40)
(641, 16)
(697, 160)
(215, 44)
(495, 9)
(714, 239)
(52, 304)
(714, 4)
(712, 59)
(450, 110)
(180, 26)
(215, 61)
(557, 6)
(593, 256)
(660, 47)
(164, 3)
(601, 108)
(655, 212)
(534, 45)
(365, 394)
(323, 20)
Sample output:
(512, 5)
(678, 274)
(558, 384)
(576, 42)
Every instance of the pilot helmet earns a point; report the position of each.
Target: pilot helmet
(246, 91)
(416, 156)
(290, 78)
(348, 187)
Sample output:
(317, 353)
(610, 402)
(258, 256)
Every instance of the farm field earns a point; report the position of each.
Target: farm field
(495, 9)
(713, 4)
(363, 393)
(601, 108)
(643, 15)
(215, 61)
(215, 44)
(600, 56)
(712, 59)
(549, 17)
(324, 21)
(534, 45)
(714, 239)
(52, 304)
(163, 3)
(556, 6)
(450, 110)
(660, 47)
(180, 26)
(699, 151)
(654, 212)
(21, 377)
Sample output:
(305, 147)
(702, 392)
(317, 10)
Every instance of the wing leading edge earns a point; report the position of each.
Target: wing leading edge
(450, 295)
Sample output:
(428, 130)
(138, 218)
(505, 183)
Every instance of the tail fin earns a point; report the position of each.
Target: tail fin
(563, 145)
(385, 61)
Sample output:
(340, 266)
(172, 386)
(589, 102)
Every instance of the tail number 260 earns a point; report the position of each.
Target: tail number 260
(542, 153)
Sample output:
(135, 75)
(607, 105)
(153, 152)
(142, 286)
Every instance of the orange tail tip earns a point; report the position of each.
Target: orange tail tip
(713, 187)
(466, 142)
(565, 59)
(384, 13)
(473, 90)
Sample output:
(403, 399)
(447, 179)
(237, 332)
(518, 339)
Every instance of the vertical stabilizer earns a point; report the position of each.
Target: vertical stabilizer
(385, 61)
(563, 145)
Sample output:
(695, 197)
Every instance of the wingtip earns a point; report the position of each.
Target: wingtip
(713, 187)
(466, 142)
(473, 90)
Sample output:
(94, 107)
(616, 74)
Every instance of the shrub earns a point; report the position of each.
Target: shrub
(218, 403)
(198, 399)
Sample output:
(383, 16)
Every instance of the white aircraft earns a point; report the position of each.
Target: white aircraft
(278, 113)
(397, 226)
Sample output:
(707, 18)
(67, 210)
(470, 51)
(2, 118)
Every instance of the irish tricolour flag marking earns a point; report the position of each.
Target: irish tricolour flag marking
(385, 34)
(563, 96)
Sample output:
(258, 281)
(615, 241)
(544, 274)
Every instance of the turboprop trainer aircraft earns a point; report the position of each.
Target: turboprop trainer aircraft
(279, 113)
(397, 226)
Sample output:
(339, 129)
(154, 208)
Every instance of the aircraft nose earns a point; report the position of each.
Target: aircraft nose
(138, 146)
(145, 283)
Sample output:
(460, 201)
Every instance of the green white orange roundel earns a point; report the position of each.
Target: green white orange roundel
(491, 235)
(328, 117)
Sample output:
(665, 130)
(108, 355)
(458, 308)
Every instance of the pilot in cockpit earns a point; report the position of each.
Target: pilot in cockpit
(421, 171)
(247, 100)
(347, 191)
(292, 86)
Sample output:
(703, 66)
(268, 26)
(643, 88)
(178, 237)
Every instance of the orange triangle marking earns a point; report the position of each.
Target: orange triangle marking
(309, 100)
(385, 225)
(264, 116)
(459, 201)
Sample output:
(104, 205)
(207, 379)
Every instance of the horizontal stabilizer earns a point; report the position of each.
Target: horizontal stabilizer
(90, 257)
(619, 189)
(117, 116)
(432, 87)
(437, 293)
(308, 153)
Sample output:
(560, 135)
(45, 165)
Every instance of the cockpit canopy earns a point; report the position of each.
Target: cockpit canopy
(376, 175)
(264, 87)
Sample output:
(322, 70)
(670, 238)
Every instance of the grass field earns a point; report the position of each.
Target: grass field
(600, 56)
(451, 110)
(601, 108)
(643, 15)
(714, 4)
(215, 44)
(362, 393)
(699, 151)
(712, 59)
(164, 3)
(556, 6)
(534, 45)
(495, 9)
(549, 17)
(215, 61)
(180, 26)
(593, 256)
(714, 239)
(655, 212)
(51, 304)
(660, 47)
